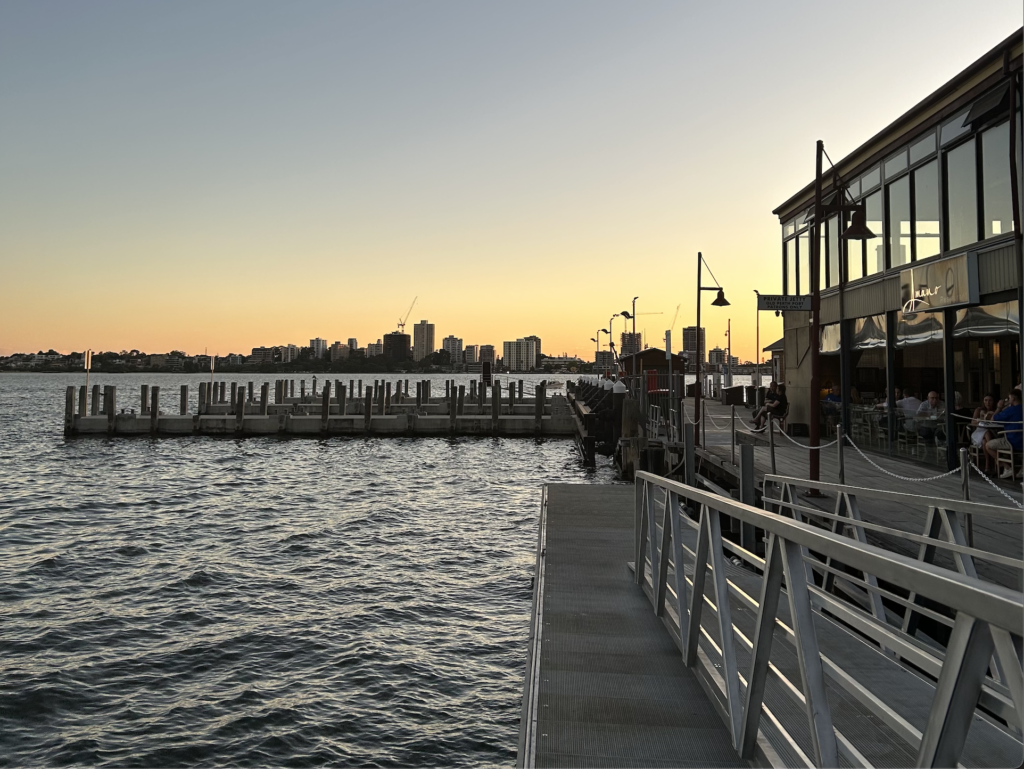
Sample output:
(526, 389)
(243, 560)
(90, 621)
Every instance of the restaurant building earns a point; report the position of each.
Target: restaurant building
(933, 302)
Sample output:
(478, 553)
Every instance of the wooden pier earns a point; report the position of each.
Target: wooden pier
(386, 408)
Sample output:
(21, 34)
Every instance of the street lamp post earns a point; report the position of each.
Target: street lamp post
(632, 316)
(720, 301)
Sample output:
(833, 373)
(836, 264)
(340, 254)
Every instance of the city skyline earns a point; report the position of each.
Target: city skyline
(160, 191)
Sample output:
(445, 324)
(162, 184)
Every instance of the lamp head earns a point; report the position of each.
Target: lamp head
(858, 229)
(720, 300)
(625, 314)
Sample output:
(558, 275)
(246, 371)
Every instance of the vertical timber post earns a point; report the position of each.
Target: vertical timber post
(154, 409)
(368, 410)
(183, 405)
(265, 399)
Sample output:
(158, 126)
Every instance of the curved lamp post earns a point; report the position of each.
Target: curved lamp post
(719, 301)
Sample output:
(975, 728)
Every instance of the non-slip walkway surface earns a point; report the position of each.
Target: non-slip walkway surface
(612, 688)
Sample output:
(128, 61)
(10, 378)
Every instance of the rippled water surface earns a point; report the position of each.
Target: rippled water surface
(290, 602)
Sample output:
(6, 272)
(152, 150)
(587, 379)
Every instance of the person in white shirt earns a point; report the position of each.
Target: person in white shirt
(908, 405)
(933, 407)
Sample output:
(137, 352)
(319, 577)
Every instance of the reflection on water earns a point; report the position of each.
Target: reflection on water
(262, 601)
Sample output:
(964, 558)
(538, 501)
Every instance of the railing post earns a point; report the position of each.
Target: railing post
(704, 423)
(771, 440)
(748, 532)
(965, 490)
(839, 445)
(734, 434)
(689, 465)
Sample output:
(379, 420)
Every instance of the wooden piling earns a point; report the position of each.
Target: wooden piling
(223, 392)
(452, 409)
(183, 406)
(249, 400)
(462, 400)
(342, 400)
(234, 396)
(419, 395)
(154, 409)
(495, 405)
(387, 398)
(201, 408)
(291, 389)
(538, 409)
(520, 390)
(95, 404)
(144, 408)
(239, 410)
(265, 399)
(302, 390)
(406, 393)
(82, 405)
(69, 409)
(325, 412)
(368, 410)
(110, 407)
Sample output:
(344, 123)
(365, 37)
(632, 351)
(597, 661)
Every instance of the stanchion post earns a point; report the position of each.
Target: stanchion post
(771, 440)
(965, 490)
(840, 437)
(734, 434)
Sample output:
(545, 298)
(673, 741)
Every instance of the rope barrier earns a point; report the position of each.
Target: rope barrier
(894, 475)
(992, 483)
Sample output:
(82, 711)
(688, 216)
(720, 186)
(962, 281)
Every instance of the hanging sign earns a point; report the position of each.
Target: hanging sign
(782, 303)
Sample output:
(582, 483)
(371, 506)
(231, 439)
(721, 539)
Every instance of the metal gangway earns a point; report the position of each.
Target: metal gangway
(803, 675)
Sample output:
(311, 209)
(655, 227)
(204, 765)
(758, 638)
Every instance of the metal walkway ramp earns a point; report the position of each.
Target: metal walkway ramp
(605, 684)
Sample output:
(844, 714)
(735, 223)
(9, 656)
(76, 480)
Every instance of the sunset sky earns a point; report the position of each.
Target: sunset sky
(223, 175)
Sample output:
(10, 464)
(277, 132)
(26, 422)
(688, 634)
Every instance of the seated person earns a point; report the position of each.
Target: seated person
(833, 395)
(908, 405)
(1012, 434)
(933, 407)
(985, 412)
(774, 405)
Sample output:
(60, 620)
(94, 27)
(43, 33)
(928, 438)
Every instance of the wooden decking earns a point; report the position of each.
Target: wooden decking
(605, 683)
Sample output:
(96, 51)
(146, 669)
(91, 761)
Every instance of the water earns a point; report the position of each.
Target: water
(262, 602)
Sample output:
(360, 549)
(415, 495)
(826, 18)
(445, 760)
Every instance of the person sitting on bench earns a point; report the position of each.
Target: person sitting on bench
(774, 405)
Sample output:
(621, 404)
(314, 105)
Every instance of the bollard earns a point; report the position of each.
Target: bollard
(183, 405)
(95, 405)
(368, 410)
(771, 440)
(342, 400)
(234, 396)
(154, 409)
(387, 398)
(265, 399)
(462, 400)
(734, 434)
(965, 490)
(748, 533)
(325, 409)
(495, 406)
(69, 409)
(839, 447)
(239, 409)
(144, 408)
(82, 393)
(689, 454)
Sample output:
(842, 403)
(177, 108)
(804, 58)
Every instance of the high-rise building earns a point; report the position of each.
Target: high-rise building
(630, 343)
(693, 346)
(486, 354)
(604, 360)
(339, 351)
(262, 355)
(318, 347)
(422, 340)
(353, 343)
(396, 346)
(469, 354)
(374, 349)
(453, 345)
(286, 353)
(716, 356)
(520, 355)
(536, 341)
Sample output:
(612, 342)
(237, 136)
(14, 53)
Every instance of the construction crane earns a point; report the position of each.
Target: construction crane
(673, 323)
(401, 322)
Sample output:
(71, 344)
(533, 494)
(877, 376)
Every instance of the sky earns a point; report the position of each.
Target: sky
(223, 175)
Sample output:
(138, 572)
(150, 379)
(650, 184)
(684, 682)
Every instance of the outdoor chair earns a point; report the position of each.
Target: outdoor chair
(1008, 458)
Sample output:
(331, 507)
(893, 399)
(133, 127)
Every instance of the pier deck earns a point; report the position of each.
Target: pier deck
(605, 683)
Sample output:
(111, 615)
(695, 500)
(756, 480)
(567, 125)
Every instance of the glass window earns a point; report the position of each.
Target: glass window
(832, 226)
(899, 222)
(875, 248)
(954, 128)
(823, 273)
(788, 229)
(926, 211)
(790, 257)
(854, 189)
(961, 196)
(995, 179)
(869, 180)
(922, 149)
(854, 257)
(895, 164)
(804, 263)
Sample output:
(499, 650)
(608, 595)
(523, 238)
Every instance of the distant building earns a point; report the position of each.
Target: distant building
(693, 346)
(288, 353)
(374, 349)
(536, 342)
(520, 355)
(155, 361)
(396, 346)
(716, 356)
(453, 345)
(262, 355)
(353, 343)
(630, 343)
(604, 360)
(422, 340)
(470, 354)
(233, 359)
(318, 347)
(339, 351)
(561, 362)
(202, 362)
(485, 354)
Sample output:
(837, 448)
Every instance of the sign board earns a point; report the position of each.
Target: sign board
(940, 285)
(781, 303)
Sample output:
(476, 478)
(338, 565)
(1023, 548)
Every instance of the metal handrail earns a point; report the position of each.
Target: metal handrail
(988, 621)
